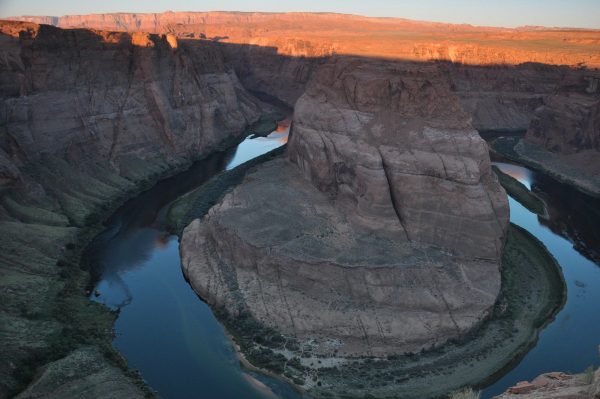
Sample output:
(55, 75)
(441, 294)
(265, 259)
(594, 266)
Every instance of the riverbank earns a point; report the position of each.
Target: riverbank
(42, 260)
(519, 150)
(533, 291)
(518, 191)
(196, 203)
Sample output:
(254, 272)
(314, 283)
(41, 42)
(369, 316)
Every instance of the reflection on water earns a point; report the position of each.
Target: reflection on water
(570, 342)
(521, 174)
(163, 329)
(256, 146)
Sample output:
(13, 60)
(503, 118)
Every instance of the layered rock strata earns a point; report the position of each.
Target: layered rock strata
(386, 228)
(312, 34)
(88, 118)
(492, 69)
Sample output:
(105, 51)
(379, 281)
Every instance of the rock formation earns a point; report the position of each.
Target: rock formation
(568, 125)
(107, 96)
(386, 229)
(557, 385)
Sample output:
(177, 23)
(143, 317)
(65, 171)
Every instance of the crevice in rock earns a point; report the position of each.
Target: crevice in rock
(394, 201)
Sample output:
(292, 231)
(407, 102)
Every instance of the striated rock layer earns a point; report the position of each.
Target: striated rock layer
(385, 229)
(106, 96)
(87, 118)
(311, 34)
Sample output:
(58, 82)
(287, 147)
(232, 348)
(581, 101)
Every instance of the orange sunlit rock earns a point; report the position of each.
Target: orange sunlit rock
(307, 34)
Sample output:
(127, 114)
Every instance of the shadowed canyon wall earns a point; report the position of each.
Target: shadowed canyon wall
(500, 98)
(87, 119)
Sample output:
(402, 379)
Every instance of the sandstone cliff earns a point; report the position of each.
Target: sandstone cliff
(503, 96)
(386, 229)
(87, 119)
(568, 125)
(320, 33)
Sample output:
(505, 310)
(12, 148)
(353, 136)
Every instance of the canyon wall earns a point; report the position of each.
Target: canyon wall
(114, 100)
(325, 33)
(491, 69)
(88, 118)
(569, 120)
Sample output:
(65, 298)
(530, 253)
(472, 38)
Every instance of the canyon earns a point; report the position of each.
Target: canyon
(379, 233)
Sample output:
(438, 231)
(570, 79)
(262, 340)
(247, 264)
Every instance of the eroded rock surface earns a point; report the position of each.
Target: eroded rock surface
(392, 145)
(557, 385)
(87, 119)
(382, 234)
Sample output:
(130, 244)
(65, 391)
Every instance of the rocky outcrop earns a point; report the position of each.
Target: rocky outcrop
(557, 386)
(387, 229)
(567, 124)
(391, 144)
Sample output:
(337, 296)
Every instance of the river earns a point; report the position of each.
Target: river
(164, 330)
(167, 333)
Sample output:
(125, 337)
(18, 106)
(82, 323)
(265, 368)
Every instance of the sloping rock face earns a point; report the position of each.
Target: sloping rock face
(386, 227)
(83, 373)
(568, 124)
(503, 98)
(105, 96)
(390, 142)
(126, 106)
(88, 118)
